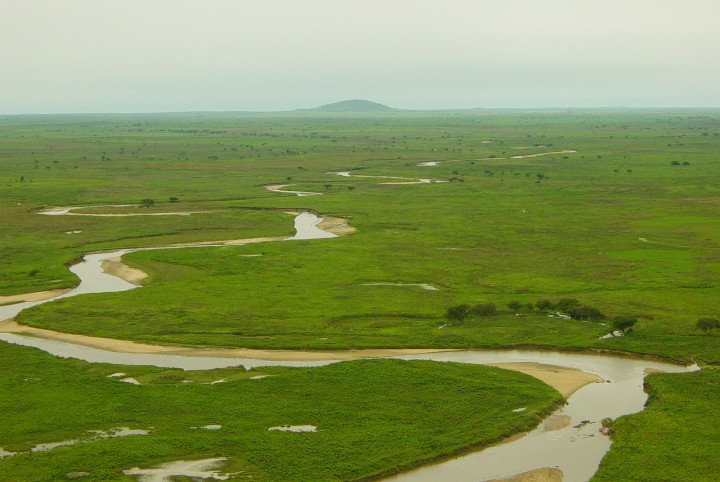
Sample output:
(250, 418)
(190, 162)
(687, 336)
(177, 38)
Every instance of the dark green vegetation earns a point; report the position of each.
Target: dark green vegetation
(675, 438)
(373, 416)
(627, 225)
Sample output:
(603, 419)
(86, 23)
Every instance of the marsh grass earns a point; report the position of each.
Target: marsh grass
(621, 225)
(373, 416)
(674, 438)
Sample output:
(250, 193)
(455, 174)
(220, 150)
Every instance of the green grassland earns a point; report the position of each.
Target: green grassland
(614, 224)
(372, 416)
(674, 438)
(628, 224)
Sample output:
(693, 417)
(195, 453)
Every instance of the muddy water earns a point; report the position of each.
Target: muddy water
(279, 188)
(93, 355)
(306, 228)
(576, 449)
(94, 280)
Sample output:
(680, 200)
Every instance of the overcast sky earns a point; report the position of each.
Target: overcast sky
(188, 55)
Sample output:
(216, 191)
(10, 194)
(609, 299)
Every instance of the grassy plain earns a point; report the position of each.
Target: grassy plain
(674, 438)
(628, 223)
(614, 224)
(372, 416)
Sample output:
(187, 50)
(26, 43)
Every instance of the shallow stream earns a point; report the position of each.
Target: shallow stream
(576, 449)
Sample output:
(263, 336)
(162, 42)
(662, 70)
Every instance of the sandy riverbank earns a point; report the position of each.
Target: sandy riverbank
(546, 474)
(337, 226)
(565, 380)
(36, 296)
(126, 346)
(116, 267)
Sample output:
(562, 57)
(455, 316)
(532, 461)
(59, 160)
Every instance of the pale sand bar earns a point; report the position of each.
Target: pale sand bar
(546, 474)
(36, 296)
(565, 380)
(126, 346)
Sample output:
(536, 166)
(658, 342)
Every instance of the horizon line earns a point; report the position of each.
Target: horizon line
(393, 110)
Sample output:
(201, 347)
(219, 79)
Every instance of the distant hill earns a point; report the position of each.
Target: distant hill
(356, 105)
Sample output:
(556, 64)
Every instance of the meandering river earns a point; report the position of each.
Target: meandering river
(575, 448)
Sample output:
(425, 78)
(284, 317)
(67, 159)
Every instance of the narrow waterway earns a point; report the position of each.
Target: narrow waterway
(576, 447)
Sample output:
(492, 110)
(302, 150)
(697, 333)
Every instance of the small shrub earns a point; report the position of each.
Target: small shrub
(707, 324)
(544, 305)
(567, 304)
(457, 313)
(483, 309)
(585, 312)
(623, 323)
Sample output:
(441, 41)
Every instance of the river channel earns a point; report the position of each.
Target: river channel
(575, 446)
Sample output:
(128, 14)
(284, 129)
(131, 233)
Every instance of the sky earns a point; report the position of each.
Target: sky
(63, 56)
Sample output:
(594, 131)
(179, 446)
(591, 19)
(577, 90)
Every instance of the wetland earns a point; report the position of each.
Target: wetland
(599, 213)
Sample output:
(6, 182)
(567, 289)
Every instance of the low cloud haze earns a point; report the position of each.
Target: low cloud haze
(181, 55)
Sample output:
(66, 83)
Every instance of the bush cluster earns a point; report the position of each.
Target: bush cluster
(459, 313)
(569, 306)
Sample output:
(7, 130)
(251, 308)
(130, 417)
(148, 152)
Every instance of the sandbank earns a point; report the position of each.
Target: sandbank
(337, 226)
(116, 267)
(556, 422)
(127, 346)
(230, 242)
(565, 380)
(546, 474)
(36, 296)
(127, 215)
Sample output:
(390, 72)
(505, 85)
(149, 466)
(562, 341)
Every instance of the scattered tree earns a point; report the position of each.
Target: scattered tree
(566, 304)
(483, 309)
(707, 324)
(585, 312)
(173, 199)
(544, 305)
(146, 203)
(623, 323)
(457, 313)
(514, 306)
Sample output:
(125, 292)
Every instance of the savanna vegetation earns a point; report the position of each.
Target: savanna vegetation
(674, 438)
(617, 211)
(372, 416)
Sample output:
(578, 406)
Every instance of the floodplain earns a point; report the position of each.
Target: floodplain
(615, 210)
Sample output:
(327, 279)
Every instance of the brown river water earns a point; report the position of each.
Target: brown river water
(576, 449)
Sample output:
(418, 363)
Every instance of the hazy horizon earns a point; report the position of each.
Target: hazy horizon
(132, 56)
